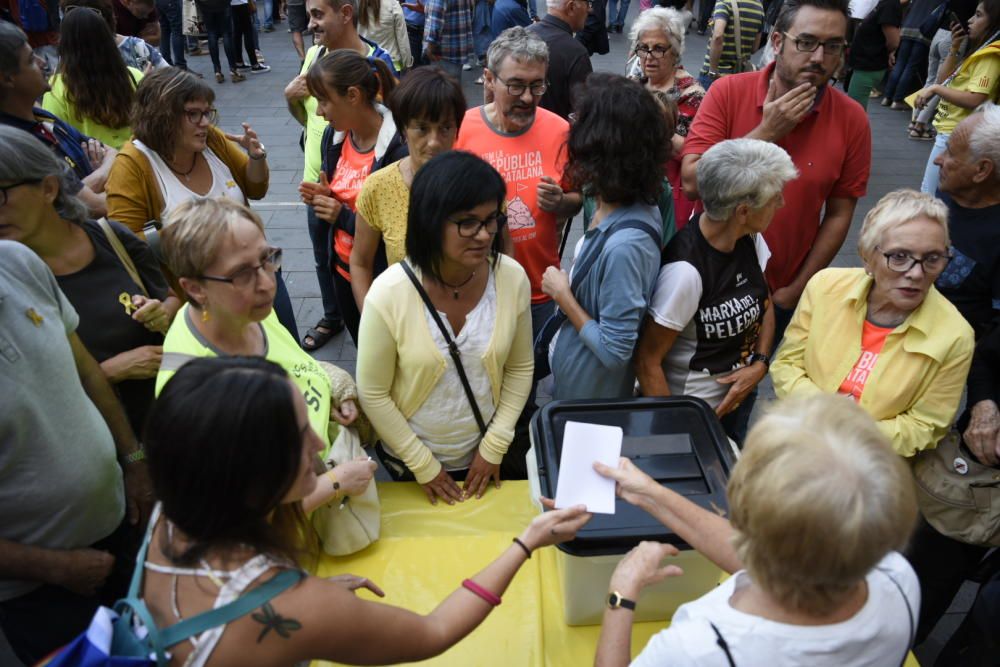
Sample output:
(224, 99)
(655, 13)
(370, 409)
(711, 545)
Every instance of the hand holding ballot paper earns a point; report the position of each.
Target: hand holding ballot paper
(579, 484)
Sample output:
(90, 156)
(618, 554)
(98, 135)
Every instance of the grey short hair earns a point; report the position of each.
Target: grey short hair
(517, 43)
(25, 158)
(12, 40)
(894, 209)
(665, 19)
(984, 140)
(740, 171)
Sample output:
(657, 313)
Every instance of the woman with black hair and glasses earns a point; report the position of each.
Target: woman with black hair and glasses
(230, 448)
(446, 413)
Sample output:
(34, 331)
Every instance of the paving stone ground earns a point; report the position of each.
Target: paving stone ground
(898, 162)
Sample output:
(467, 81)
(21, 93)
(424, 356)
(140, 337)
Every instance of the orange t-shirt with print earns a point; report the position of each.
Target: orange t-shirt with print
(350, 174)
(522, 159)
(872, 341)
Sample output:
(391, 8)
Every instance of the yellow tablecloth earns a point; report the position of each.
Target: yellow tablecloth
(426, 551)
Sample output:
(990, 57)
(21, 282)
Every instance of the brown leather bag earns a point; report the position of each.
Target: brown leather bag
(959, 496)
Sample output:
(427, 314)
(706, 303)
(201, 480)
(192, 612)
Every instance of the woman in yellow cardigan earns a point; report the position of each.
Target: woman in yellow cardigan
(178, 154)
(883, 334)
(408, 381)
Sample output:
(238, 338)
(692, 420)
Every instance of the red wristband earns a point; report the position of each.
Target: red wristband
(475, 588)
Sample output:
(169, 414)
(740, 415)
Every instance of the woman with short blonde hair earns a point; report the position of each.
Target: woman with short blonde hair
(218, 251)
(883, 334)
(819, 505)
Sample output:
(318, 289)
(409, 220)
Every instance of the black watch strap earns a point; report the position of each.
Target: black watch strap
(615, 600)
(759, 356)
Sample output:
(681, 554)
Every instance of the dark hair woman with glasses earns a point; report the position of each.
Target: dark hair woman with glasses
(227, 269)
(442, 420)
(178, 154)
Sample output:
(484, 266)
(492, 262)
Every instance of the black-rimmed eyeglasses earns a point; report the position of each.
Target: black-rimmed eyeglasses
(195, 116)
(5, 188)
(537, 88)
(808, 44)
(247, 276)
(656, 52)
(901, 261)
(469, 227)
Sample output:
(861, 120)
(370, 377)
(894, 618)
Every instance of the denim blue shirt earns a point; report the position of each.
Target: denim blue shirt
(596, 362)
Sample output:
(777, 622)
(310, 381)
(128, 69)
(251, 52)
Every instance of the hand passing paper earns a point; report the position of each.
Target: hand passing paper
(578, 483)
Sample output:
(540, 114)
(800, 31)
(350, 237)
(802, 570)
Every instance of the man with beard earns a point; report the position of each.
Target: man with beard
(825, 132)
(526, 145)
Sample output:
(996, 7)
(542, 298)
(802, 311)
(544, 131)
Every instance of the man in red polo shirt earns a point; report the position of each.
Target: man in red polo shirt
(825, 132)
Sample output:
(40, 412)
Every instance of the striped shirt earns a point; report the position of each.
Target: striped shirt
(449, 25)
(751, 23)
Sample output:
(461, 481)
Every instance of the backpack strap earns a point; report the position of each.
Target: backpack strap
(581, 272)
(228, 613)
(122, 253)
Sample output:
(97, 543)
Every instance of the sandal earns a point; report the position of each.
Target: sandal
(220, 77)
(320, 338)
(922, 134)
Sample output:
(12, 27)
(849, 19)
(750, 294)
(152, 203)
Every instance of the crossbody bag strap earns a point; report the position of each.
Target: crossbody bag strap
(452, 347)
(122, 253)
(723, 644)
(911, 638)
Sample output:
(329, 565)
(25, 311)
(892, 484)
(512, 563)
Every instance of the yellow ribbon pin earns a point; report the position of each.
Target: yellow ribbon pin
(35, 318)
(126, 300)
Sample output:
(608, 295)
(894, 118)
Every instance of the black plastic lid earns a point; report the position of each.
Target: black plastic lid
(677, 440)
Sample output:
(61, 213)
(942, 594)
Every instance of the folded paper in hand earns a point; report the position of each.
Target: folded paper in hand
(579, 483)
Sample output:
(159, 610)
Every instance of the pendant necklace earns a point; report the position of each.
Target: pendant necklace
(185, 174)
(455, 288)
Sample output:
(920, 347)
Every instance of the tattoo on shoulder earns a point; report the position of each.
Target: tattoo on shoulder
(272, 620)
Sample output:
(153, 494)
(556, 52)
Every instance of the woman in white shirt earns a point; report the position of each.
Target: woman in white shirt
(819, 504)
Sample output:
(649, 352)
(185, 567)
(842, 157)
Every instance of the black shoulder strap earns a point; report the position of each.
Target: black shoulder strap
(452, 347)
(723, 644)
(909, 615)
(580, 272)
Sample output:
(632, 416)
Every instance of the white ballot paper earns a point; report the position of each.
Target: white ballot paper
(579, 483)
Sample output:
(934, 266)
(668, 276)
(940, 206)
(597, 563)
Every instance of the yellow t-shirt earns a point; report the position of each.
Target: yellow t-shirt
(385, 202)
(55, 102)
(980, 77)
(315, 125)
(184, 341)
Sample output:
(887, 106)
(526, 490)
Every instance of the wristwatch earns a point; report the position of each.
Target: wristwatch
(615, 600)
(759, 356)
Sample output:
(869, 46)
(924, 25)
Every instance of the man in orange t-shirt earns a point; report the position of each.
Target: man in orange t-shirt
(526, 145)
